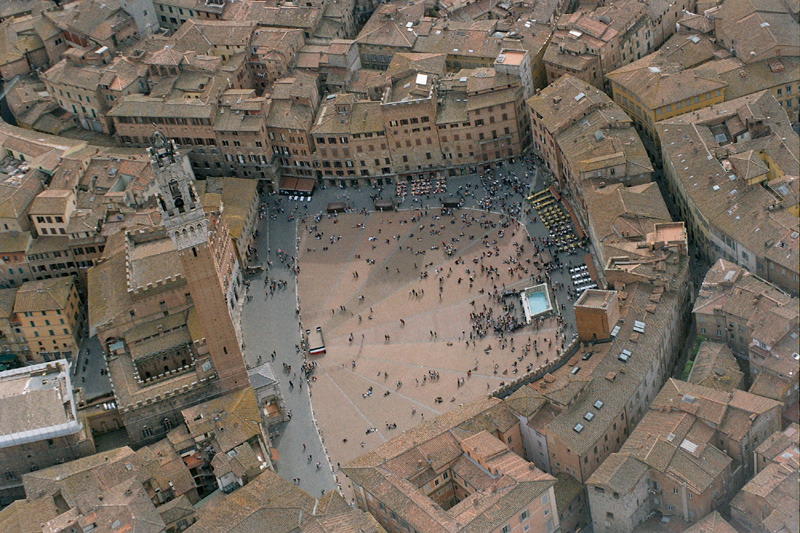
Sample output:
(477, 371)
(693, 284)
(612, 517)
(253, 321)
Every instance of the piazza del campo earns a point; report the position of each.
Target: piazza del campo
(413, 266)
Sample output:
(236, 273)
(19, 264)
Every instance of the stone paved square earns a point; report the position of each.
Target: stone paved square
(385, 297)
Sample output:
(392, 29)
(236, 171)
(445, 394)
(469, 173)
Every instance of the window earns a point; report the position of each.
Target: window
(524, 515)
(506, 529)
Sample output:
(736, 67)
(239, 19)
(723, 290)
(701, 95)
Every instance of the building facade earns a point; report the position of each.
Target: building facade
(51, 318)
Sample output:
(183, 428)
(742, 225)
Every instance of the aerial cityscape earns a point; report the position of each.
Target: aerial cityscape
(410, 266)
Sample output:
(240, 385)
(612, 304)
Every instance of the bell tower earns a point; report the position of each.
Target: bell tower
(183, 218)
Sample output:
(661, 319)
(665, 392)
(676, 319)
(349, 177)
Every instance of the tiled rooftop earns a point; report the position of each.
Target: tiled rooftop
(151, 262)
(617, 391)
(44, 295)
(395, 470)
(715, 367)
(677, 437)
(273, 502)
(775, 489)
(712, 523)
(721, 197)
(35, 402)
(782, 446)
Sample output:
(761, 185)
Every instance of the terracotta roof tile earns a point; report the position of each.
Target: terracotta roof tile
(44, 295)
(394, 472)
(715, 366)
(712, 523)
(728, 204)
